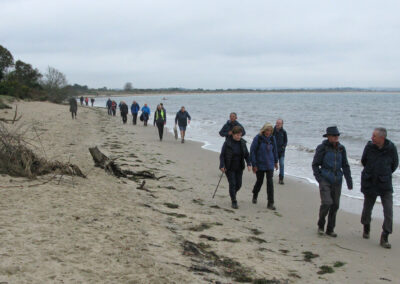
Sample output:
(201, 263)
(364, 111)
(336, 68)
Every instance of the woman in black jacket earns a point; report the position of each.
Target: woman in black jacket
(233, 154)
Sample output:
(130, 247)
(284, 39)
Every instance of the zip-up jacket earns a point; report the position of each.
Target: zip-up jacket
(379, 165)
(135, 108)
(233, 155)
(263, 152)
(182, 117)
(330, 164)
(281, 141)
(146, 109)
(124, 109)
(228, 127)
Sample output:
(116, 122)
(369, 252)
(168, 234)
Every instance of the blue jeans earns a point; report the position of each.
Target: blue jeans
(282, 166)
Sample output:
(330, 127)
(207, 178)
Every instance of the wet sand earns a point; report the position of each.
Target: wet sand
(59, 229)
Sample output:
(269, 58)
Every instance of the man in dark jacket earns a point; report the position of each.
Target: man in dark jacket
(134, 109)
(281, 143)
(232, 122)
(123, 107)
(182, 118)
(329, 165)
(380, 160)
(109, 106)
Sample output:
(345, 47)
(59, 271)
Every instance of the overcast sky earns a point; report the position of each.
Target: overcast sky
(208, 44)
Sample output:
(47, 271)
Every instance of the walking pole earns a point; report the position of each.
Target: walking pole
(217, 185)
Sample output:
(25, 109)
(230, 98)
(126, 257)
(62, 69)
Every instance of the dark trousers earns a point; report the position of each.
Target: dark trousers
(124, 117)
(160, 126)
(387, 204)
(114, 111)
(73, 113)
(330, 198)
(134, 118)
(109, 111)
(235, 182)
(270, 184)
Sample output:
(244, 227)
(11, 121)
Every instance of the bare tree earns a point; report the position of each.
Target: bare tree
(128, 86)
(54, 79)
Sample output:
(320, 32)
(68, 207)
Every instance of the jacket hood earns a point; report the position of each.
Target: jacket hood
(386, 146)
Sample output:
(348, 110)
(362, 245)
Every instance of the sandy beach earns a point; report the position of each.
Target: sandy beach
(101, 229)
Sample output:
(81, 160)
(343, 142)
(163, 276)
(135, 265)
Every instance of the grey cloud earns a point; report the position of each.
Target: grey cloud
(209, 44)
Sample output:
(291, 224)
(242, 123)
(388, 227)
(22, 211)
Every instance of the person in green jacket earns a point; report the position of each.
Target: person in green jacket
(160, 119)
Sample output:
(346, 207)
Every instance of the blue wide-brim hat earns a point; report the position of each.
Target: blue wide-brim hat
(332, 130)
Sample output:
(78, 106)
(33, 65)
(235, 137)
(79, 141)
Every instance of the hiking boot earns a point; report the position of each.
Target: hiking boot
(320, 231)
(235, 205)
(281, 180)
(254, 199)
(385, 241)
(331, 234)
(271, 206)
(366, 231)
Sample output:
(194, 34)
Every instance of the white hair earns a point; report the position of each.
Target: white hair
(381, 131)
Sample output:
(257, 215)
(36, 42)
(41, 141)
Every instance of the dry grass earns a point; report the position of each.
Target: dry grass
(17, 158)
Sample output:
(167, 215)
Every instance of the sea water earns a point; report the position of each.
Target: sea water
(306, 117)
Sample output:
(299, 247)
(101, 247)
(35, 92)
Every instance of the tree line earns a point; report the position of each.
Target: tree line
(20, 80)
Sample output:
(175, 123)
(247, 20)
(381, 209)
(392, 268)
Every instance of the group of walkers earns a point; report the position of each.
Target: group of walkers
(73, 105)
(267, 153)
(379, 159)
(330, 164)
(86, 100)
(182, 118)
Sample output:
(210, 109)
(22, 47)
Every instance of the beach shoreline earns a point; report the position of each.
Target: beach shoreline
(349, 204)
(105, 94)
(104, 229)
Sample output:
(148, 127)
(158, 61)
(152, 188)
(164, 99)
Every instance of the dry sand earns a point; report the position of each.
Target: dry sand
(104, 230)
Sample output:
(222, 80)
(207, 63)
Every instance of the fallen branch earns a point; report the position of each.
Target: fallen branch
(110, 166)
(12, 120)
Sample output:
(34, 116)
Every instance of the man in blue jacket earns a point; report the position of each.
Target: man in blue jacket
(182, 118)
(329, 165)
(134, 110)
(380, 160)
(232, 122)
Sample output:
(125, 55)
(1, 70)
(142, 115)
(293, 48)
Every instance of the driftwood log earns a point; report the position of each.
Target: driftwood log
(111, 167)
